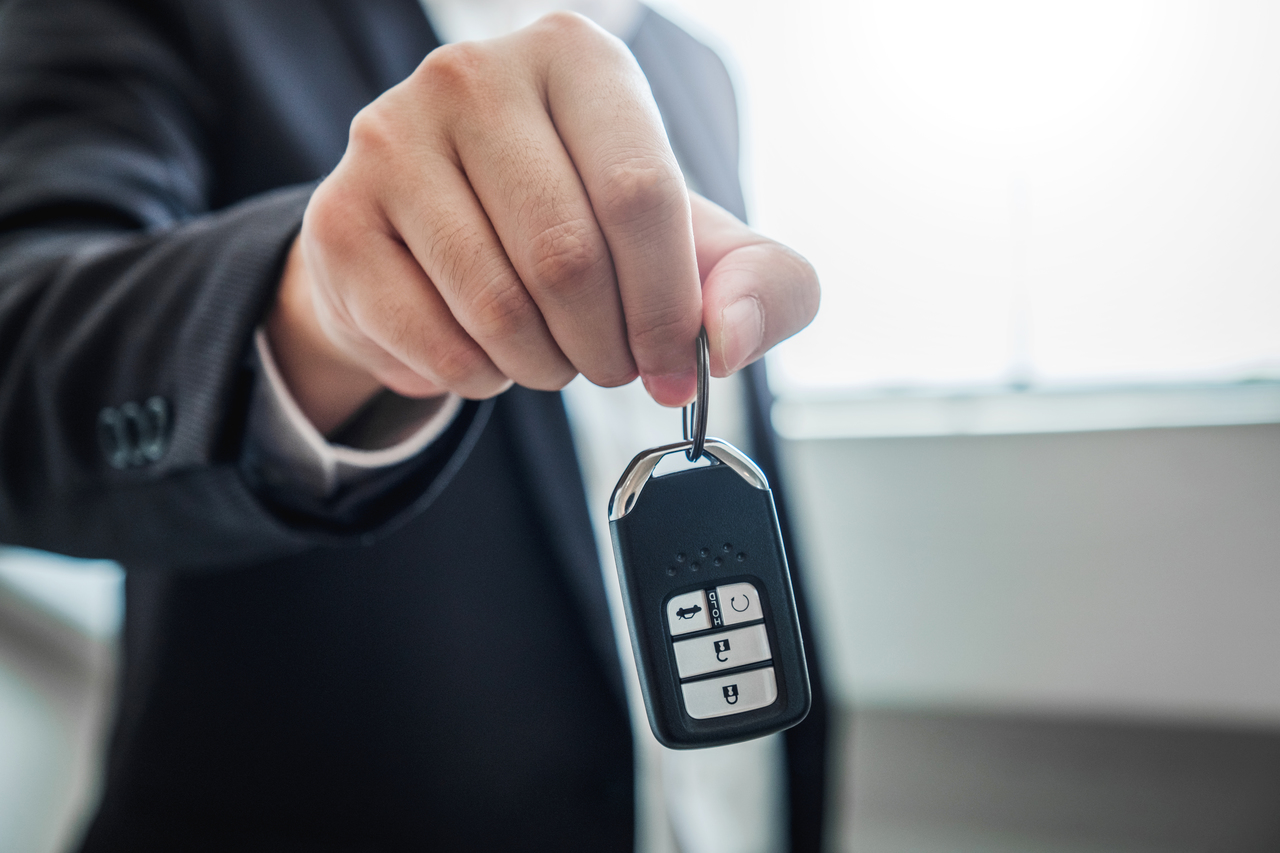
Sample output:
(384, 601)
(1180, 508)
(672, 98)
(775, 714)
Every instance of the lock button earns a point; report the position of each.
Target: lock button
(726, 650)
(730, 694)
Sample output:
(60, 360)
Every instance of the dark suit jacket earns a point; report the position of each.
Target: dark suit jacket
(423, 662)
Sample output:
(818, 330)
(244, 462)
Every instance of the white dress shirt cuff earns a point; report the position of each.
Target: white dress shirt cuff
(295, 456)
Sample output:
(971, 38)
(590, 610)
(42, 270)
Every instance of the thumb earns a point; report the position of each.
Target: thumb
(755, 292)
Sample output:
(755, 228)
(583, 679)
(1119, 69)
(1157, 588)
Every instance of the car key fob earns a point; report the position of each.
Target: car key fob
(708, 595)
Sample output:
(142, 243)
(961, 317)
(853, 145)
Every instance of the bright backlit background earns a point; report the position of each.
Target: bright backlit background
(1010, 194)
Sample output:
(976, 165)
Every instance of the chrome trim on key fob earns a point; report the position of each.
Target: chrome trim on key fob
(641, 469)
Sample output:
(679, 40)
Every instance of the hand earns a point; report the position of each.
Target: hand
(512, 212)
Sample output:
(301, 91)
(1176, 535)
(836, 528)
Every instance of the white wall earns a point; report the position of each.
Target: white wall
(1131, 571)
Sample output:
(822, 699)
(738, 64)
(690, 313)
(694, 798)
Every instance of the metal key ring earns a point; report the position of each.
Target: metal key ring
(698, 415)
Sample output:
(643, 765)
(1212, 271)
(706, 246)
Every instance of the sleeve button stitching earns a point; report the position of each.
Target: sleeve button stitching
(133, 435)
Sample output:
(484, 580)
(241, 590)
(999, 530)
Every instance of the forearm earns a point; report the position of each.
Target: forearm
(91, 321)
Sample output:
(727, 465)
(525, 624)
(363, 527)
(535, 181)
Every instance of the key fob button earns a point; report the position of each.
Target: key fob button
(730, 694)
(722, 651)
(739, 602)
(687, 613)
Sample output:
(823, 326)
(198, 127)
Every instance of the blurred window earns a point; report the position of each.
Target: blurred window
(1015, 195)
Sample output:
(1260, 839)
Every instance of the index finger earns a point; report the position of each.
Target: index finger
(611, 128)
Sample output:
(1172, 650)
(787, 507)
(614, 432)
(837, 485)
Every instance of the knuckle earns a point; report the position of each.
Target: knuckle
(656, 329)
(456, 69)
(563, 24)
(370, 132)
(322, 220)
(328, 219)
(566, 258)
(500, 308)
(457, 242)
(641, 189)
(458, 364)
(376, 314)
(574, 35)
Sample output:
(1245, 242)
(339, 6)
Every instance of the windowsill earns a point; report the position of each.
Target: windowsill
(1011, 412)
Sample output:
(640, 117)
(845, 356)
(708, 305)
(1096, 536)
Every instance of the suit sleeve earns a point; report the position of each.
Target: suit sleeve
(127, 308)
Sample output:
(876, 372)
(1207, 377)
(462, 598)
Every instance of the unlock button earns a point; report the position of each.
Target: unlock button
(722, 651)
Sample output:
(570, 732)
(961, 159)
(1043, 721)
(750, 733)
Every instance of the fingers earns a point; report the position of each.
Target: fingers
(375, 301)
(611, 129)
(562, 238)
(513, 211)
(545, 225)
(455, 244)
(756, 293)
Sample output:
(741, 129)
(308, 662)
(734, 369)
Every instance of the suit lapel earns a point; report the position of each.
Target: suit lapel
(539, 429)
(695, 96)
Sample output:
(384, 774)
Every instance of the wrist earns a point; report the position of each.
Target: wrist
(328, 386)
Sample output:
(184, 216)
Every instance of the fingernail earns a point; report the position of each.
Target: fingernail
(671, 389)
(741, 331)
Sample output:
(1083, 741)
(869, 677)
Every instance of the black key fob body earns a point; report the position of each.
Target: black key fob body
(708, 599)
